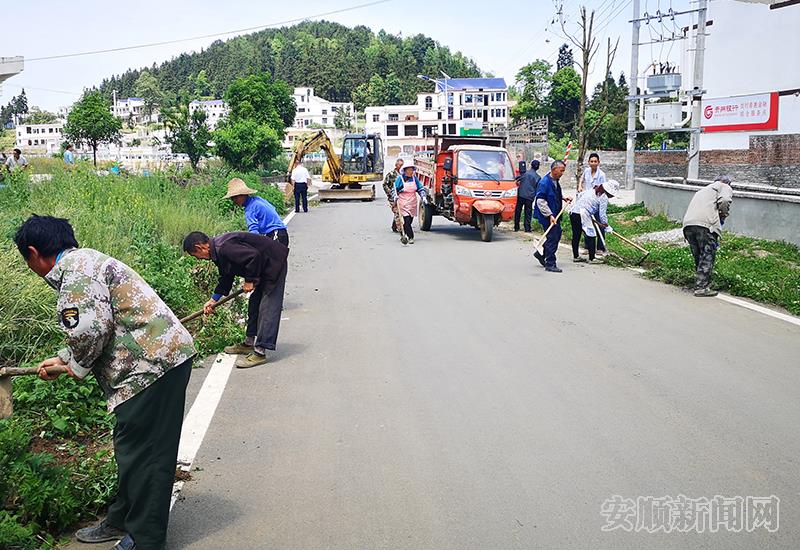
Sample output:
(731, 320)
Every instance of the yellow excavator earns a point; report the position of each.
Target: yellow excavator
(352, 175)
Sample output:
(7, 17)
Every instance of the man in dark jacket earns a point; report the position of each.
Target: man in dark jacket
(525, 195)
(262, 263)
(547, 211)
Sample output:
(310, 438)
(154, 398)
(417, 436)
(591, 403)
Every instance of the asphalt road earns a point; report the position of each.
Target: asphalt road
(453, 395)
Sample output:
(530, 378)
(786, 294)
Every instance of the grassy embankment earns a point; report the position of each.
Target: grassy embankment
(764, 271)
(56, 466)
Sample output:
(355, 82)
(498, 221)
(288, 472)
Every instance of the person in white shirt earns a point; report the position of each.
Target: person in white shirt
(591, 205)
(16, 162)
(592, 176)
(300, 178)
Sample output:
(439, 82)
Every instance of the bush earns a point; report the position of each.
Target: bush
(66, 472)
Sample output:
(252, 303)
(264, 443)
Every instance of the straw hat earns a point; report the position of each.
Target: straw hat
(238, 187)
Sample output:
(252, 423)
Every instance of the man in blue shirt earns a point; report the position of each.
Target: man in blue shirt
(548, 210)
(69, 156)
(260, 215)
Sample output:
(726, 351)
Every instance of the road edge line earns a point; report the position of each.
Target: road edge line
(201, 413)
(199, 417)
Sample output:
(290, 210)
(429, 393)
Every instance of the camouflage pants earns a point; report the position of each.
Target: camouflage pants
(703, 244)
(397, 223)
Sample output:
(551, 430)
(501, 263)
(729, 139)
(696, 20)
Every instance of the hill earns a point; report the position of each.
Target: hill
(332, 58)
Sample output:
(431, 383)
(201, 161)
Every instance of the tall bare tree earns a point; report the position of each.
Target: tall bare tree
(586, 42)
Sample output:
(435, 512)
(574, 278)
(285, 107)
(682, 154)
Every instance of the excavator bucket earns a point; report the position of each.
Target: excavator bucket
(339, 193)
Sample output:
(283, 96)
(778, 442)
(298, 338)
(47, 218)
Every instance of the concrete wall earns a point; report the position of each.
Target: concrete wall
(768, 160)
(763, 212)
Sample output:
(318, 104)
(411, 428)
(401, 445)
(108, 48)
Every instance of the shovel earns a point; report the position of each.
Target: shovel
(6, 373)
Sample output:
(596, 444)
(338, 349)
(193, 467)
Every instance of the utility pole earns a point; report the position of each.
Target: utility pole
(114, 104)
(697, 91)
(633, 78)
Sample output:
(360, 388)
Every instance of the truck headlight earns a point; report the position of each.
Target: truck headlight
(510, 193)
(463, 191)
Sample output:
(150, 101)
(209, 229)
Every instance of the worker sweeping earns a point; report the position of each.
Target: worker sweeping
(388, 185)
(118, 329)
(548, 209)
(702, 227)
(591, 204)
(406, 188)
(263, 264)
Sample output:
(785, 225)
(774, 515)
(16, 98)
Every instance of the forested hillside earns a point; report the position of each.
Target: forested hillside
(334, 59)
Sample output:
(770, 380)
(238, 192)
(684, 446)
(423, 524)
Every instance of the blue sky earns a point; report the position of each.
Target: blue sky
(500, 39)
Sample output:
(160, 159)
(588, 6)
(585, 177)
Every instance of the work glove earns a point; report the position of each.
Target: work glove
(609, 230)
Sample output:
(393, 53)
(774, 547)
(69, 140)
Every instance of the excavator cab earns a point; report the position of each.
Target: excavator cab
(363, 154)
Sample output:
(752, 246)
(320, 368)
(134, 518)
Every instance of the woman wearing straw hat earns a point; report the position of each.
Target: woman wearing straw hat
(260, 215)
(406, 189)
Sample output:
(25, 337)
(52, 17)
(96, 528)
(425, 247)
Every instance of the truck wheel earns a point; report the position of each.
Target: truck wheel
(487, 227)
(426, 217)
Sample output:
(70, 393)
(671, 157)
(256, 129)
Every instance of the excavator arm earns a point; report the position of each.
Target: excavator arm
(311, 143)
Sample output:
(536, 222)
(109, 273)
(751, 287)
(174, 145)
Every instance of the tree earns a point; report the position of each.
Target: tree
(246, 144)
(260, 108)
(535, 81)
(343, 119)
(188, 133)
(38, 116)
(587, 45)
(565, 98)
(17, 106)
(565, 58)
(92, 123)
(148, 89)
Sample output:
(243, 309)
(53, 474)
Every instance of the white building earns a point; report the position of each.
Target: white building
(133, 108)
(459, 106)
(215, 110)
(732, 51)
(314, 110)
(40, 138)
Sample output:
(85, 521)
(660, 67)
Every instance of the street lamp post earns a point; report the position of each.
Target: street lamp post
(445, 86)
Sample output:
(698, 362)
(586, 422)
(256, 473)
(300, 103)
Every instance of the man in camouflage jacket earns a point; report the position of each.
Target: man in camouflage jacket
(118, 328)
(388, 187)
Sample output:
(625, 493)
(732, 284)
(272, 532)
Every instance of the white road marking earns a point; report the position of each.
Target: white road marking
(760, 309)
(197, 421)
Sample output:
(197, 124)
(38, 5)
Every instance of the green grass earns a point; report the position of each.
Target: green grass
(56, 466)
(764, 271)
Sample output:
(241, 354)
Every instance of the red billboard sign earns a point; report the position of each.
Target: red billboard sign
(755, 112)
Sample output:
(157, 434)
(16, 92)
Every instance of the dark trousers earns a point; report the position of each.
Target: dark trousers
(300, 193)
(551, 244)
(703, 244)
(146, 440)
(527, 205)
(592, 243)
(264, 313)
(280, 235)
(407, 229)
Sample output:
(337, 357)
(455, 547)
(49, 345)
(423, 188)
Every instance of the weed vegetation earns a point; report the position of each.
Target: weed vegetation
(764, 271)
(56, 461)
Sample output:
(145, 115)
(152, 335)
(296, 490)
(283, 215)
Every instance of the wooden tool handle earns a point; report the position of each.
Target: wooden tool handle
(542, 238)
(197, 314)
(18, 371)
(630, 242)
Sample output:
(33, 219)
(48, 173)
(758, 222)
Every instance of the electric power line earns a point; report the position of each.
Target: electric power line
(24, 87)
(213, 35)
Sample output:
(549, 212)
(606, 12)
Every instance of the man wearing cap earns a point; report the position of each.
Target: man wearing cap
(525, 195)
(702, 227)
(262, 263)
(300, 178)
(260, 215)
